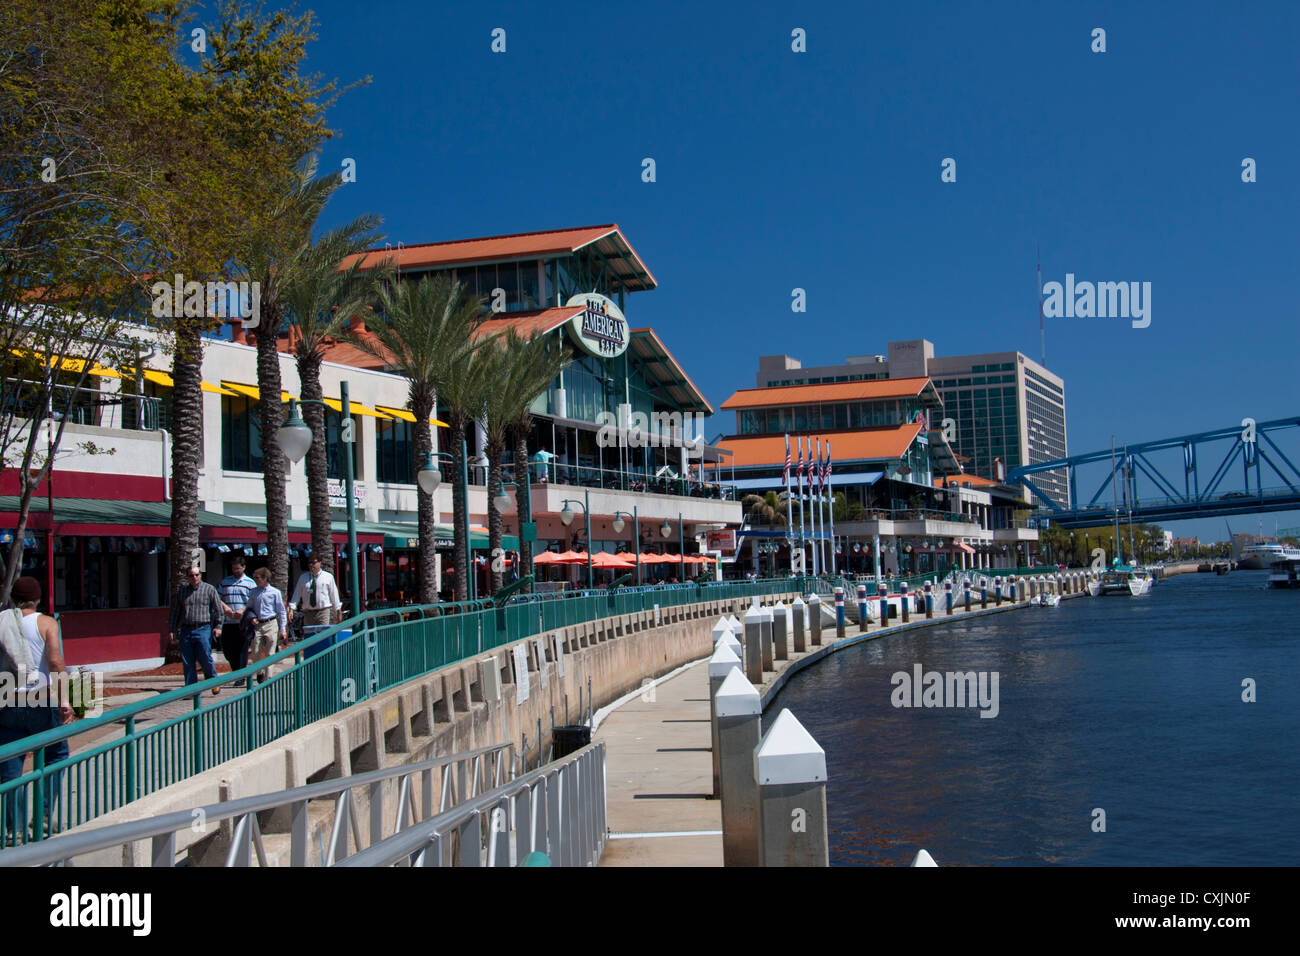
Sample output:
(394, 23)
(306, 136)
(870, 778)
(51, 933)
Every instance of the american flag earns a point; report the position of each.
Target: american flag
(799, 465)
(785, 474)
(821, 469)
(828, 461)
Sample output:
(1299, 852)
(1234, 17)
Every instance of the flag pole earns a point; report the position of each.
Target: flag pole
(785, 477)
(817, 569)
(803, 556)
(821, 507)
(830, 484)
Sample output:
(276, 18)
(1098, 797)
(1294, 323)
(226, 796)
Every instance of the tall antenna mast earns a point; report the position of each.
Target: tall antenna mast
(1042, 329)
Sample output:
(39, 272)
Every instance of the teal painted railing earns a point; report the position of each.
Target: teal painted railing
(385, 648)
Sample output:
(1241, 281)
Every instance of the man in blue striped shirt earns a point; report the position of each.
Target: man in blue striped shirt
(234, 590)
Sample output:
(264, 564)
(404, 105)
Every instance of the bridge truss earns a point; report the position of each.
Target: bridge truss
(1249, 469)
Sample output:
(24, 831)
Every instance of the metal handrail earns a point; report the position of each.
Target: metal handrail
(557, 809)
(162, 829)
(386, 648)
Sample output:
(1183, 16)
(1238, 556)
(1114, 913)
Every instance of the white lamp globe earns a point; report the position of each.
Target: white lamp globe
(295, 439)
(566, 516)
(618, 524)
(429, 479)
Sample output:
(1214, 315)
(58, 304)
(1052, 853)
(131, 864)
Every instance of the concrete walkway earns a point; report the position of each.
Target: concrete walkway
(659, 776)
(659, 765)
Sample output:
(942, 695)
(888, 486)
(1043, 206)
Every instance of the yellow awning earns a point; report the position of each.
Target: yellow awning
(251, 391)
(355, 407)
(165, 380)
(406, 416)
(67, 364)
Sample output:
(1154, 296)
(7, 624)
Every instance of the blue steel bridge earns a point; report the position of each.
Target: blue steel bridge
(1229, 471)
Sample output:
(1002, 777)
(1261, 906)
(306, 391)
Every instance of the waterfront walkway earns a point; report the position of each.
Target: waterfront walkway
(659, 765)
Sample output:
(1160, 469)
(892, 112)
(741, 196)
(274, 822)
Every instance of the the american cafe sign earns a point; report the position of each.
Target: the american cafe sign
(600, 327)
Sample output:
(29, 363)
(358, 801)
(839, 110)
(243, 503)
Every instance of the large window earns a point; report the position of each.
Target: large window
(241, 435)
(395, 448)
(334, 445)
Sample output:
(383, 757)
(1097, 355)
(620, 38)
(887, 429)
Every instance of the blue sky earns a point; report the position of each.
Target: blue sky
(821, 171)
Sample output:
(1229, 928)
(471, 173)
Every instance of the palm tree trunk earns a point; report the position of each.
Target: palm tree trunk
(426, 519)
(187, 449)
(318, 499)
(273, 468)
(460, 507)
(496, 555)
(522, 480)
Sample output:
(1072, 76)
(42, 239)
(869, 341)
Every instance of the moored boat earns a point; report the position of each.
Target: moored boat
(1285, 574)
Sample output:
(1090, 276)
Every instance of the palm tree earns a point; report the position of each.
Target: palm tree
(320, 299)
(275, 257)
(770, 509)
(424, 335)
(519, 370)
(464, 391)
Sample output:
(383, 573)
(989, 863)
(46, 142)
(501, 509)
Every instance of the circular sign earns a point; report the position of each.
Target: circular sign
(600, 328)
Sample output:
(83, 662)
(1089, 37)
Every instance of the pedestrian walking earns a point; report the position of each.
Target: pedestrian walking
(197, 613)
(269, 619)
(233, 591)
(317, 594)
(33, 702)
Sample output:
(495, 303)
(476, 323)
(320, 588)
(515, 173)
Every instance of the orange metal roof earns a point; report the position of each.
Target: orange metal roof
(862, 445)
(527, 324)
(516, 246)
(668, 371)
(832, 392)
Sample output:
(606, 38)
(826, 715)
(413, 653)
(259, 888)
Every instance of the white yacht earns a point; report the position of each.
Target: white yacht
(1261, 557)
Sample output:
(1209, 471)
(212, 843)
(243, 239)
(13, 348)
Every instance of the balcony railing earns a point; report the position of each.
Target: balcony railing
(83, 406)
(613, 479)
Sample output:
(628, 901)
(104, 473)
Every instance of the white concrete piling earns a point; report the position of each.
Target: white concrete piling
(790, 769)
(739, 710)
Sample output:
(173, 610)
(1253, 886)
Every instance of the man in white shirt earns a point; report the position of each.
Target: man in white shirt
(317, 594)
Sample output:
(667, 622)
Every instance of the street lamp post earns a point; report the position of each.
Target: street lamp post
(429, 478)
(295, 438)
(502, 501)
(636, 536)
(566, 518)
(665, 530)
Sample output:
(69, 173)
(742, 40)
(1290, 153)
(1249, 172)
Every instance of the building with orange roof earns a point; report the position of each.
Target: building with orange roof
(903, 503)
(619, 432)
(1001, 406)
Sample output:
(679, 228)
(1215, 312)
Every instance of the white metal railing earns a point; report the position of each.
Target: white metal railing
(457, 778)
(557, 810)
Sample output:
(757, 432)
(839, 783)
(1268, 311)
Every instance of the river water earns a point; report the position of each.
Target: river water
(1128, 705)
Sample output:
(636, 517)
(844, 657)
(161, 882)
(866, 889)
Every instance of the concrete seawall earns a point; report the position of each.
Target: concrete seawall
(471, 704)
